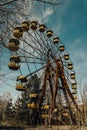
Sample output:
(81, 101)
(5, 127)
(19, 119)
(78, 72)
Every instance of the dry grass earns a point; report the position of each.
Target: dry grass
(26, 127)
(58, 128)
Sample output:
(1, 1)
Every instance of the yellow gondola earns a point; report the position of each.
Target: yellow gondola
(70, 65)
(12, 46)
(45, 107)
(44, 115)
(13, 40)
(75, 97)
(33, 25)
(18, 32)
(33, 95)
(49, 33)
(32, 105)
(66, 56)
(74, 87)
(74, 83)
(42, 28)
(61, 48)
(65, 114)
(56, 40)
(13, 66)
(22, 78)
(15, 58)
(25, 25)
(74, 92)
(72, 107)
(72, 75)
(20, 87)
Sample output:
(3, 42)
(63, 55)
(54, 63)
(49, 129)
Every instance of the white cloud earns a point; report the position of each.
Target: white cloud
(48, 12)
(43, 16)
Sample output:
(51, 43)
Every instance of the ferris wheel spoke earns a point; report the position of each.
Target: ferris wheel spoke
(33, 62)
(46, 41)
(36, 68)
(41, 68)
(29, 53)
(36, 42)
(20, 71)
(26, 60)
(36, 71)
(41, 42)
(33, 48)
(33, 58)
(50, 42)
(57, 49)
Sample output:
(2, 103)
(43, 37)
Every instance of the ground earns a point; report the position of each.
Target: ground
(57, 128)
(44, 128)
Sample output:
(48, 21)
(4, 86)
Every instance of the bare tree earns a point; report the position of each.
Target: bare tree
(18, 8)
(84, 102)
(3, 103)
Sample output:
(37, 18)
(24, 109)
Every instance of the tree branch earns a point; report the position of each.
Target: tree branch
(8, 2)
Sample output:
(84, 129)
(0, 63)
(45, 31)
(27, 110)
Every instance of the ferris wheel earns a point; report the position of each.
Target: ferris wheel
(36, 49)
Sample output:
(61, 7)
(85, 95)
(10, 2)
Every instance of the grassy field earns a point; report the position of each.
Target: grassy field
(57, 128)
(20, 126)
(43, 128)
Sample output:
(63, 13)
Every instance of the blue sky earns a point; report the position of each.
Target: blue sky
(69, 22)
